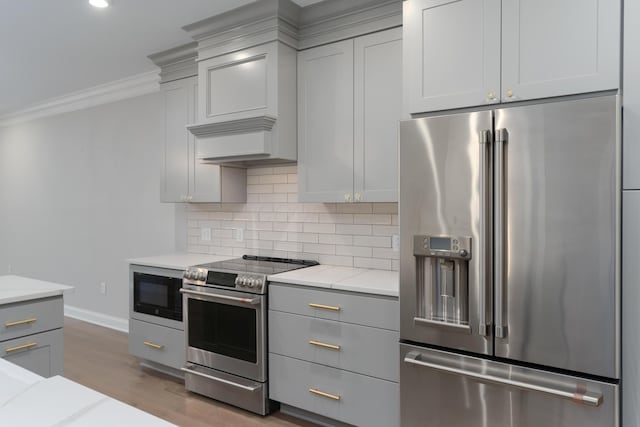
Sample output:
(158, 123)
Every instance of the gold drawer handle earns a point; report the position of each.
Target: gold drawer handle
(323, 394)
(20, 322)
(154, 345)
(325, 345)
(20, 347)
(325, 307)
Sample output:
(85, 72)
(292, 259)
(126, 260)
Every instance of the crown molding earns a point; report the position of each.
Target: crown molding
(129, 87)
(176, 63)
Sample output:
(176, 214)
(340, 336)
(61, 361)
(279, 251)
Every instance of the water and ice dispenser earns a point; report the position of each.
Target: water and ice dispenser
(442, 264)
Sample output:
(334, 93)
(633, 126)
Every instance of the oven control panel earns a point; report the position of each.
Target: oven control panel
(249, 282)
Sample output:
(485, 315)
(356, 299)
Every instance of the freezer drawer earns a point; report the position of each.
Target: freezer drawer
(442, 389)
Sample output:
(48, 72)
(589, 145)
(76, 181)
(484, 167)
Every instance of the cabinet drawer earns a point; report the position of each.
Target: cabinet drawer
(355, 348)
(157, 343)
(40, 353)
(26, 318)
(341, 395)
(367, 310)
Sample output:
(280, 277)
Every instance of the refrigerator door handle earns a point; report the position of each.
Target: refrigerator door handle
(580, 395)
(500, 233)
(484, 328)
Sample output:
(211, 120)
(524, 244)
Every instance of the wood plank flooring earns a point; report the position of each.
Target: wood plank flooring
(98, 358)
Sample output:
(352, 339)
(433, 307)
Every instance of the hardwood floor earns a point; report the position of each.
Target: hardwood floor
(98, 358)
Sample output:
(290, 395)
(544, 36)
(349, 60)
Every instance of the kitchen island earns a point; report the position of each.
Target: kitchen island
(31, 319)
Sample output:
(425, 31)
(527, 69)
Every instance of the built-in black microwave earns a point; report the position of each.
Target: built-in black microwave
(157, 295)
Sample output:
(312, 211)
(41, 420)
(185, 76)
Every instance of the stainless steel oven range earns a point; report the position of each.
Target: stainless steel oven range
(225, 319)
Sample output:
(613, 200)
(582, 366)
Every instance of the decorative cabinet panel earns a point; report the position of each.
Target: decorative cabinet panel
(349, 104)
(185, 178)
(468, 53)
(31, 335)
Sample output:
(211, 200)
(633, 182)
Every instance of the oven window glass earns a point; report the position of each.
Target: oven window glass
(153, 294)
(223, 329)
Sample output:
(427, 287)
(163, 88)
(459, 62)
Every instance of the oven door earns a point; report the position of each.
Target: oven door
(226, 330)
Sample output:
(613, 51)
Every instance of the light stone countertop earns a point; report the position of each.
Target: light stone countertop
(177, 261)
(17, 288)
(27, 399)
(368, 281)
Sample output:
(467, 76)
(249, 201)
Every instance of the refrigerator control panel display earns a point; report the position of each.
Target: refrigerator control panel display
(442, 246)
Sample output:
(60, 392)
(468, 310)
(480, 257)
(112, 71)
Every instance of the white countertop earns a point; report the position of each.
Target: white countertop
(369, 281)
(177, 261)
(17, 288)
(27, 399)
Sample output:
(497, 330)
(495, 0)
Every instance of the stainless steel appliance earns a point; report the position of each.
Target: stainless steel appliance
(225, 315)
(509, 265)
(156, 295)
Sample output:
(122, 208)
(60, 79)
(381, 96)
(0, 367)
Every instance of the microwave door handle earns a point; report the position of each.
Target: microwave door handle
(251, 301)
(500, 234)
(485, 213)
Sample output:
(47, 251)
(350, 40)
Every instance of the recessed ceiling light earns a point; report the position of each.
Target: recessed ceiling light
(99, 3)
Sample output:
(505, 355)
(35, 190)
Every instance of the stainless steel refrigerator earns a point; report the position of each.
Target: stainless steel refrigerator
(509, 266)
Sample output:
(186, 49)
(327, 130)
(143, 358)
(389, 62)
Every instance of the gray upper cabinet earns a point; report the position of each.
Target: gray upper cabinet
(349, 104)
(184, 177)
(476, 52)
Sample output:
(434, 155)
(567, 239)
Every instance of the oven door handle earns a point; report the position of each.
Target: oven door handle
(252, 301)
(209, 377)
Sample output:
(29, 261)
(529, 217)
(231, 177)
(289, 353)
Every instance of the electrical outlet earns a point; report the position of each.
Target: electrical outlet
(205, 234)
(238, 233)
(103, 288)
(395, 243)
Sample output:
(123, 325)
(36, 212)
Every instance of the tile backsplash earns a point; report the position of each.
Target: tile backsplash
(274, 223)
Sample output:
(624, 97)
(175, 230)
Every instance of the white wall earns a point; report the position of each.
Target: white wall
(79, 194)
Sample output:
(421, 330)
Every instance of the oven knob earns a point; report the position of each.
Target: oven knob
(202, 275)
(251, 282)
(188, 274)
(242, 281)
(237, 281)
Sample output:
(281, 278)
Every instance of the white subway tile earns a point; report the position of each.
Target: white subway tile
(295, 227)
(372, 241)
(245, 216)
(222, 251)
(292, 178)
(385, 230)
(285, 188)
(221, 215)
(355, 208)
(259, 171)
(395, 220)
(292, 197)
(273, 198)
(233, 243)
(359, 229)
(209, 224)
(285, 169)
(302, 237)
(382, 264)
(288, 246)
(335, 239)
(372, 219)
(385, 253)
(287, 207)
(260, 188)
(345, 261)
(319, 207)
(273, 235)
(260, 225)
(234, 207)
(315, 248)
(221, 234)
(302, 217)
(273, 179)
(319, 228)
(251, 234)
(336, 218)
(253, 198)
(259, 244)
(359, 251)
(258, 207)
(240, 251)
(273, 216)
(254, 179)
(196, 216)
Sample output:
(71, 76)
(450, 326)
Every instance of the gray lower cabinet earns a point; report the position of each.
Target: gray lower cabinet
(334, 353)
(31, 335)
(157, 343)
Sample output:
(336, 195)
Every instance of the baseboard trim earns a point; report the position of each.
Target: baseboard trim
(100, 319)
(129, 87)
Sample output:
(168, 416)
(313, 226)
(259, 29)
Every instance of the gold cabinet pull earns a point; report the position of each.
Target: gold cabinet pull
(20, 347)
(20, 322)
(154, 345)
(323, 394)
(325, 345)
(324, 307)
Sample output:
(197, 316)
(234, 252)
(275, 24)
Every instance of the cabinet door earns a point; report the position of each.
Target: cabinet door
(325, 123)
(559, 47)
(204, 178)
(39, 353)
(451, 53)
(377, 109)
(175, 174)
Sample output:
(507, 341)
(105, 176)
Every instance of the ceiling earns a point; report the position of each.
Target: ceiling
(54, 47)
